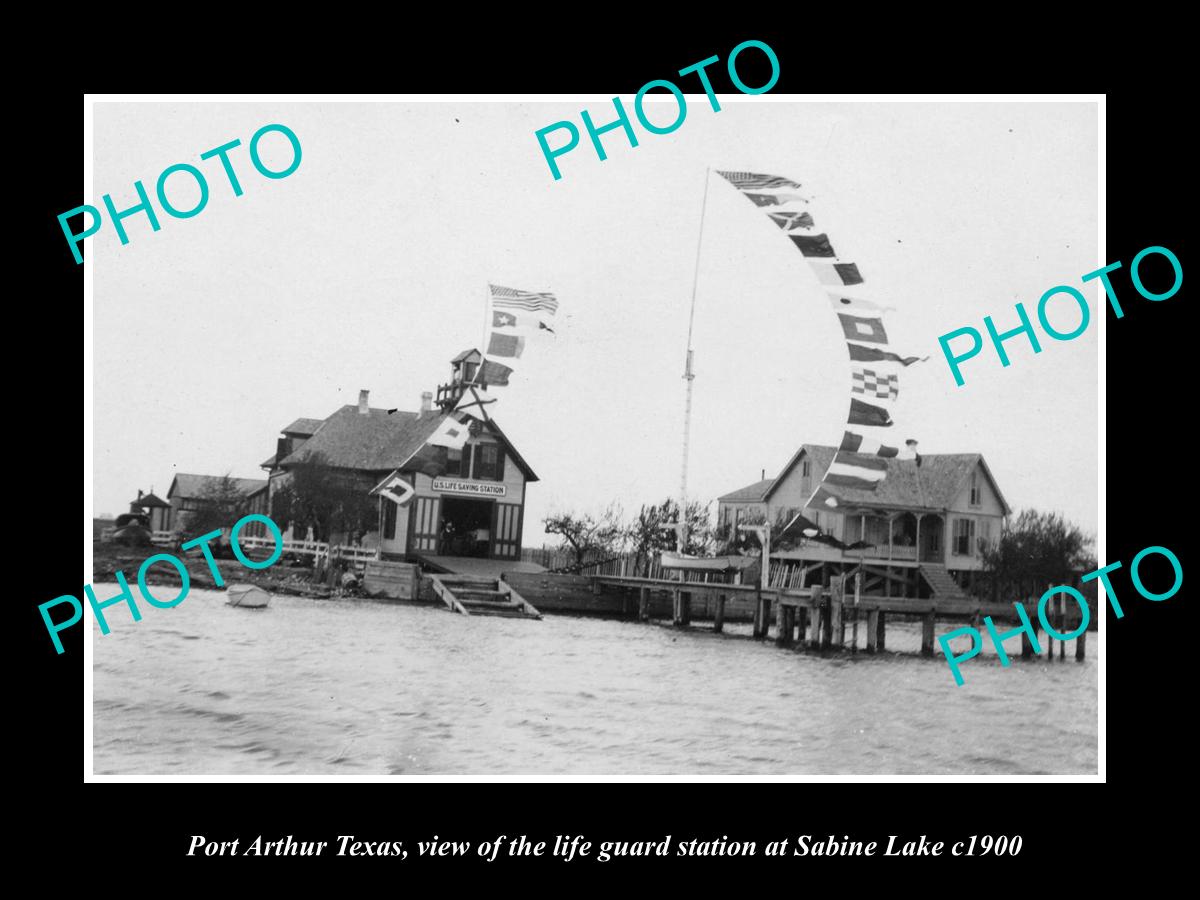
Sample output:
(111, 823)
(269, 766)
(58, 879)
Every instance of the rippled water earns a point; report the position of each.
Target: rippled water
(368, 688)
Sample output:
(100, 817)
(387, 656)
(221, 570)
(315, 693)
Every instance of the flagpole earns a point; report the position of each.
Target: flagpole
(487, 299)
(689, 376)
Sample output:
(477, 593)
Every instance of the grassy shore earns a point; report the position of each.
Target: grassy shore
(284, 577)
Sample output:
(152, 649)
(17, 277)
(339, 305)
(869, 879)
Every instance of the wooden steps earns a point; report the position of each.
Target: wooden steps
(473, 595)
(940, 581)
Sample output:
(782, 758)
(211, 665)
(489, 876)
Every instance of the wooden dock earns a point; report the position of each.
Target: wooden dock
(819, 618)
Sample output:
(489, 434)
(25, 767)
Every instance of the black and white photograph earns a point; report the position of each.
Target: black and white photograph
(472, 438)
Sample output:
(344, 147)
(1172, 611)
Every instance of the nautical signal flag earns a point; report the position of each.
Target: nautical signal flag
(859, 353)
(850, 470)
(790, 221)
(837, 274)
(863, 328)
(775, 199)
(506, 319)
(493, 373)
(857, 304)
(860, 443)
(451, 434)
(868, 414)
(882, 386)
(505, 345)
(813, 244)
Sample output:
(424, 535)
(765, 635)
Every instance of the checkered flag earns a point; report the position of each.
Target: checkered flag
(882, 386)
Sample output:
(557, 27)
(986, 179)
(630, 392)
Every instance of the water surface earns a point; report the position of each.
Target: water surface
(353, 687)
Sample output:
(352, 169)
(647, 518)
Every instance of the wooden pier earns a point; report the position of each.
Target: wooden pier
(818, 618)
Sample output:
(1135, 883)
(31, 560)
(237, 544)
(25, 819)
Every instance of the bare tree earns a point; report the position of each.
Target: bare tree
(584, 534)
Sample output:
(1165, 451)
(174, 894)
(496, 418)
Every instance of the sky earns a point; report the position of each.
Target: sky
(368, 268)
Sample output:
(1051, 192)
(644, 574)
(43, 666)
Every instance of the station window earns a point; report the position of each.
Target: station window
(976, 493)
(489, 462)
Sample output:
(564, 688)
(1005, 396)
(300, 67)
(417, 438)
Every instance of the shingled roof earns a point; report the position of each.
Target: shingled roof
(184, 485)
(380, 441)
(933, 485)
(303, 427)
(751, 493)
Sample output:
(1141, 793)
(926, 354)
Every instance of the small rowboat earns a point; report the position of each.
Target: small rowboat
(249, 596)
(705, 564)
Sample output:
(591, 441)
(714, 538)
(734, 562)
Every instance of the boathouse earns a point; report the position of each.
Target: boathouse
(466, 503)
(932, 518)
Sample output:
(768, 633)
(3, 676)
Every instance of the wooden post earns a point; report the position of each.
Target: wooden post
(785, 619)
(685, 608)
(873, 630)
(1080, 645)
(676, 612)
(802, 623)
(719, 615)
(1062, 625)
(644, 604)
(927, 623)
(881, 641)
(837, 617)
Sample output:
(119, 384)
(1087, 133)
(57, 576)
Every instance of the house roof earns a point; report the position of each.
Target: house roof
(465, 355)
(380, 441)
(268, 463)
(303, 427)
(751, 493)
(932, 485)
(184, 485)
(148, 501)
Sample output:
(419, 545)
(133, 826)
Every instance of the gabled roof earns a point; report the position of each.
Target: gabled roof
(466, 354)
(377, 441)
(751, 493)
(932, 485)
(149, 501)
(303, 427)
(268, 463)
(380, 441)
(184, 485)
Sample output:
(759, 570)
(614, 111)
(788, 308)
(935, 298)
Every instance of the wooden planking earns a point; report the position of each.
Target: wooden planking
(391, 579)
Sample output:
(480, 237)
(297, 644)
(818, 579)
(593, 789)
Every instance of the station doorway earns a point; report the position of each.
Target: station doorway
(466, 528)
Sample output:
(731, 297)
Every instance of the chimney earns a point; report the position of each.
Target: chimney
(763, 476)
(426, 401)
(363, 409)
(912, 445)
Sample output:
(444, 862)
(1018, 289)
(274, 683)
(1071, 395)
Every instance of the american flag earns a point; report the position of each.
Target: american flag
(884, 386)
(753, 180)
(511, 298)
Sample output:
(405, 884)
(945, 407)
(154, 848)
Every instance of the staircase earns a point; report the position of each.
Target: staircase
(475, 595)
(944, 587)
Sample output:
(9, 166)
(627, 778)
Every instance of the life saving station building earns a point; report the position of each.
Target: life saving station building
(932, 519)
(474, 506)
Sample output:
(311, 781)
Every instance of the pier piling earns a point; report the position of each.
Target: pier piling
(719, 615)
(644, 604)
(873, 629)
(927, 622)
(1080, 645)
(880, 640)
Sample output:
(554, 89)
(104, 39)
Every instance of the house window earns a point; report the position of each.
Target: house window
(964, 537)
(806, 468)
(454, 461)
(489, 462)
(976, 493)
(985, 533)
(389, 519)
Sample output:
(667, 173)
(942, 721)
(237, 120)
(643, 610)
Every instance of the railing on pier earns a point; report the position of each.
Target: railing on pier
(358, 556)
(823, 613)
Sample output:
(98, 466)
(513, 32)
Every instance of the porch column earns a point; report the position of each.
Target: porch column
(919, 516)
